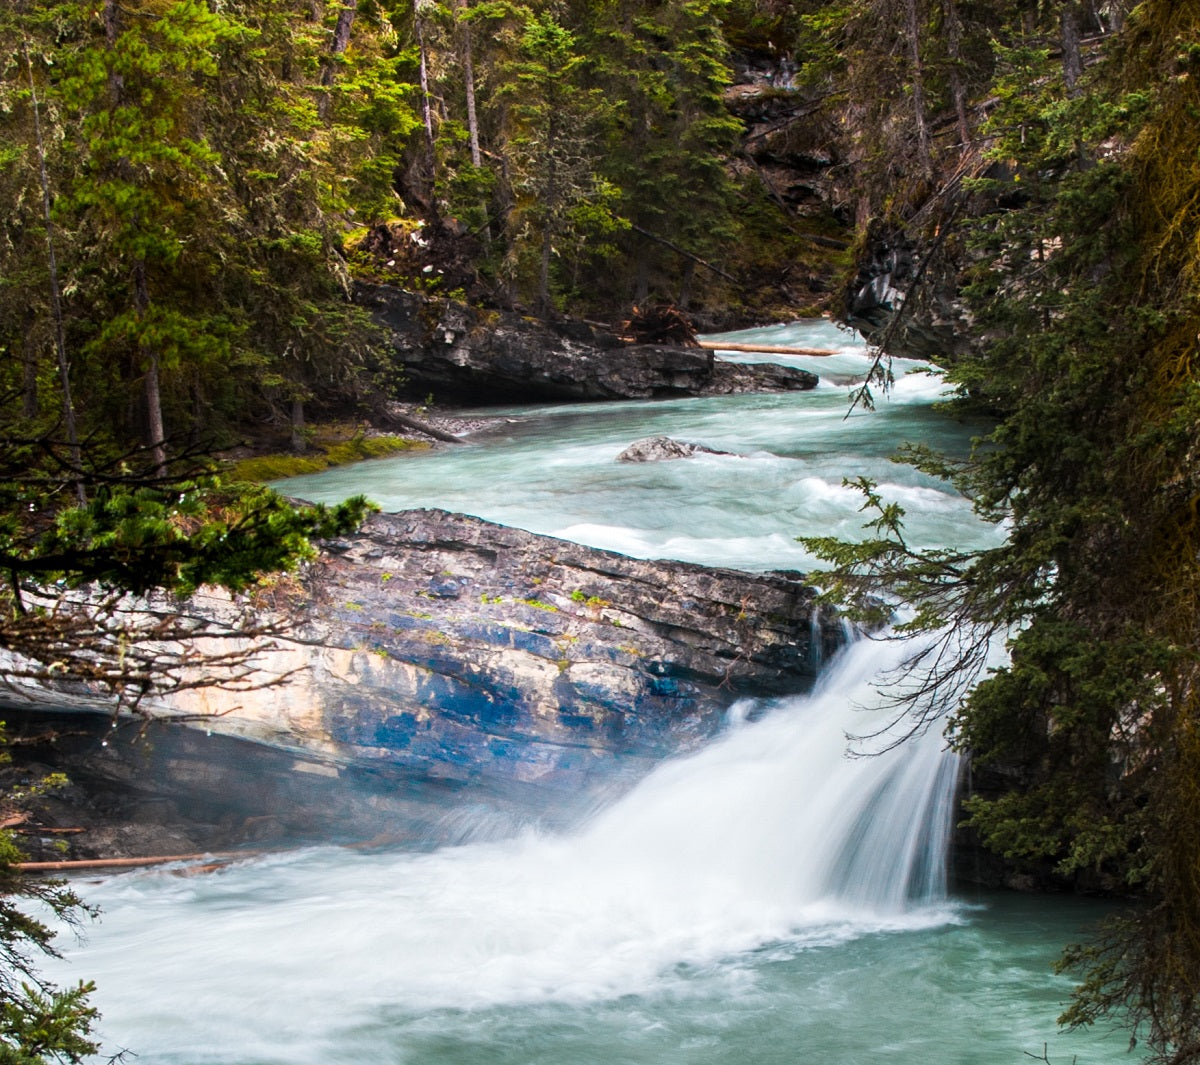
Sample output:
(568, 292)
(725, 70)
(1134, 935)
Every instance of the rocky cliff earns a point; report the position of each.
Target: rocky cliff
(906, 296)
(460, 658)
(461, 353)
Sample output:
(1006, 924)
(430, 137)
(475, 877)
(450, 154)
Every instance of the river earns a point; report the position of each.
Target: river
(765, 900)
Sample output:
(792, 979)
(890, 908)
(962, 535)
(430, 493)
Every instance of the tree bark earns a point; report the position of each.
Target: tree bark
(641, 284)
(409, 422)
(958, 86)
(29, 384)
(60, 343)
(1114, 12)
(111, 22)
(544, 274)
(685, 285)
(151, 382)
(469, 84)
(112, 30)
(1072, 57)
(341, 40)
(299, 444)
(924, 152)
(426, 107)
(550, 208)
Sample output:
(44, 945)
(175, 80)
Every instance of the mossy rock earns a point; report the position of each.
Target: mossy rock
(277, 467)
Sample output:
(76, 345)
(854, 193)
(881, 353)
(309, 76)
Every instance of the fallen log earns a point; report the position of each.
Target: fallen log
(768, 349)
(409, 422)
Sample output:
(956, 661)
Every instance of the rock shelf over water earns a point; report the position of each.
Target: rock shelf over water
(464, 650)
(437, 651)
(461, 353)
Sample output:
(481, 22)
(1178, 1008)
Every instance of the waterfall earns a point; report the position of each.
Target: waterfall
(765, 899)
(780, 816)
(770, 838)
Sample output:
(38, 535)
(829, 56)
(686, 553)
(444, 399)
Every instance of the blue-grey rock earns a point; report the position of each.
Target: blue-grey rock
(470, 651)
(442, 651)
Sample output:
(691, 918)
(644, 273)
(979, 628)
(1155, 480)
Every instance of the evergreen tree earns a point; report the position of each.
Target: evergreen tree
(144, 187)
(551, 151)
(309, 131)
(1086, 292)
(671, 136)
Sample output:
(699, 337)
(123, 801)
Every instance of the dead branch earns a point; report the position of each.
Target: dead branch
(128, 649)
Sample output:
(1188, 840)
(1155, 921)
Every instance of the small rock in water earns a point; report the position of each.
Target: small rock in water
(662, 449)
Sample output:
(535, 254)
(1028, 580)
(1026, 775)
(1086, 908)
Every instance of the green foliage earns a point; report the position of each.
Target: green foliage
(552, 145)
(1084, 283)
(199, 193)
(763, 27)
(668, 141)
(192, 534)
(47, 1026)
(39, 1023)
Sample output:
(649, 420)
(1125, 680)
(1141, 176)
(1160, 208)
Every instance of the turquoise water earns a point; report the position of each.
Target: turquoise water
(553, 469)
(765, 900)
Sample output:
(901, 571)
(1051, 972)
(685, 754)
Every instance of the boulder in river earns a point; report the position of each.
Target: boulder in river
(664, 449)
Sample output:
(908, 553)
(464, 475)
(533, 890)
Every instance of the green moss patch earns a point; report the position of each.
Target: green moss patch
(276, 467)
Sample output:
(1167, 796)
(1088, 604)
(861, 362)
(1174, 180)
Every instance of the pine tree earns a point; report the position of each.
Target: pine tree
(143, 189)
(671, 136)
(551, 151)
(1084, 283)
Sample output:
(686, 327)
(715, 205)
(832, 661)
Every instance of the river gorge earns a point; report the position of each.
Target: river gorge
(764, 898)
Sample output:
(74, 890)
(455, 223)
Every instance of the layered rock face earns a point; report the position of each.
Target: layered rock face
(464, 650)
(906, 297)
(463, 354)
(791, 140)
(434, 660)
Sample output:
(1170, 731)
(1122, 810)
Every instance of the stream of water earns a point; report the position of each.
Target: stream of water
(765, 900)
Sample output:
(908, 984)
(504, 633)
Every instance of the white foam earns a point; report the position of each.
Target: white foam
(769, 837)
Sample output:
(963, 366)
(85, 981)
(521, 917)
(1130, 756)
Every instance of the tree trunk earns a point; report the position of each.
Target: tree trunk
(958, 85)
(1114, 12)
(299, 443)
(111, 24)
(29, 384)
(543, 299)
(469, 83)
(112, 30)
(154, 418)
(685, 286)
(426, 107)
(1072, 57)
(151, 382)
(549, 218)
(341, 40)
(60, 343)
(641, 284)
(924, 153)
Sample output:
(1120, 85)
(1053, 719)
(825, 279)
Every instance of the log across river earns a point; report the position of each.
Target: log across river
(767, 349)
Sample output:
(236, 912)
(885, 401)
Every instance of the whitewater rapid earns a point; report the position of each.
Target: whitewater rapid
(770, 837)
